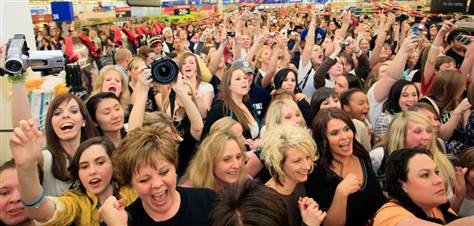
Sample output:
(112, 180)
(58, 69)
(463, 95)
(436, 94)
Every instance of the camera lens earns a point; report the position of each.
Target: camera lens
(13, 66)
(164, 71)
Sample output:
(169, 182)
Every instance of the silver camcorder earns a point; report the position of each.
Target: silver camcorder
(18, 58)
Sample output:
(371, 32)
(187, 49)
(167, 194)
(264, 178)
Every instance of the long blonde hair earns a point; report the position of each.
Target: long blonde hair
(396, 136)
(124, 96)
(200, 171)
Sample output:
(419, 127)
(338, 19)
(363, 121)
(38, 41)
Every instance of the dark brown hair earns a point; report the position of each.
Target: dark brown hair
(445, 87)
(229, 104)
(108, 146)
(320, 125)
(59, 163)
(248, 203)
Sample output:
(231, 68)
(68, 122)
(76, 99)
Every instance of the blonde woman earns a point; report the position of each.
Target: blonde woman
(281, 111)
(110, 79)
(289, 152)
(218, 163)
(414, 130)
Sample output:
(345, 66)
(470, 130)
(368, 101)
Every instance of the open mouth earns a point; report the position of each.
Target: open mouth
(345, 146)
(95, 182)
(66, 126)
(160, 197)
(112, 89)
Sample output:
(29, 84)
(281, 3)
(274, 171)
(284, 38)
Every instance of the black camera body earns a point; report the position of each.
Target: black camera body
(164, 70)
(18, 58)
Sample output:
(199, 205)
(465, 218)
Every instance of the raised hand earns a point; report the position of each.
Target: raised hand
(409, 44)
(462, 107)
(113, 212)
(310, 212)
(26, 143)
(446, 28)
(459, 184)
(349, 185)
(144, 80)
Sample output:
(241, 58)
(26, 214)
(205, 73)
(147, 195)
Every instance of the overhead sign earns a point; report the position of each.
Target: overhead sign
(447, 6)
(181, 11)
(62, 11)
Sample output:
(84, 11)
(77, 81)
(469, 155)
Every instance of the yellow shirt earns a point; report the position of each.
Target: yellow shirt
(80, 209)
(391, 213)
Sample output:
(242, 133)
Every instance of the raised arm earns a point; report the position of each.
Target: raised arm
(20, 107)
(381, 36)
(309, 43)
(394, 71)
(468, 62)
(273, 65)
(434, 51)
(191, 109)
(25, 145)
(140, 95)
(218, 58)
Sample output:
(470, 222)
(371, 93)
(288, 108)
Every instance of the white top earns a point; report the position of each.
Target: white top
(52, 186)
(375, 106)
(308, 89)
(204, 88)
(254, 130)
(376, 157)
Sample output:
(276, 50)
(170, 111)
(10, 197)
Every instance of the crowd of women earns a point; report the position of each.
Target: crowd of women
(273, 120)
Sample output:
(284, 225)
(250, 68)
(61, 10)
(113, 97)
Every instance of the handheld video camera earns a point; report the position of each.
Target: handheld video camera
(18, 59)
(164, 70)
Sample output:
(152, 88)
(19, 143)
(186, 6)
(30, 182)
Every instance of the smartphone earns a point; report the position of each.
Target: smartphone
(231, 33)
(415, 31)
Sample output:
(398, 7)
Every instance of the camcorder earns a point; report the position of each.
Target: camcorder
(18, 58)
(164, 70)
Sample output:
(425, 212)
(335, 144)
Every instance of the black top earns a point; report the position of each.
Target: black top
(458, 58)
(219, 110)
(187, 147)
(259, 98)
(151, 104)
(305, 109)
(361, 205)
(216, 84)
(193, 209)
(292, 207)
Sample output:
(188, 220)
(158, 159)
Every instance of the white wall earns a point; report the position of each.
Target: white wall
(15, 18)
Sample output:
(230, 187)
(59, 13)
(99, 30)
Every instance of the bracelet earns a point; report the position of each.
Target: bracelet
(36, 203)
(435, 47)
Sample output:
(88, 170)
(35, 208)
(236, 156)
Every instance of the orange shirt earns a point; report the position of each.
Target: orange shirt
(391, 213)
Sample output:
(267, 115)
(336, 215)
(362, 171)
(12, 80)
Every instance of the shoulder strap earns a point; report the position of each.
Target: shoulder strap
(303, 82)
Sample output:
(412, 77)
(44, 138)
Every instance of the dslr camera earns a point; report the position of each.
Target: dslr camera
(18, 58)
(164, 70)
